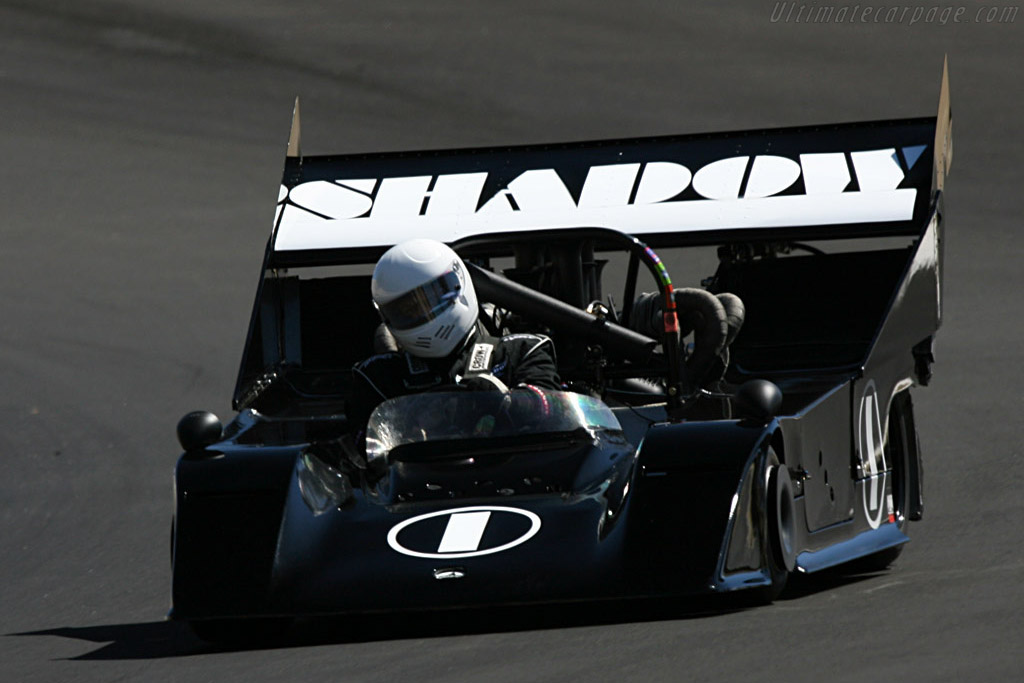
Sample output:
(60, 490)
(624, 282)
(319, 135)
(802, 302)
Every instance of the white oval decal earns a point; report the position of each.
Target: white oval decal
(871, 442)
(462, 534)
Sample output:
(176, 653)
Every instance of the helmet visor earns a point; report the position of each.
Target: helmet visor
(423, 304)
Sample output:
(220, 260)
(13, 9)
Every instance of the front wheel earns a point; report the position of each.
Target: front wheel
(778, 531)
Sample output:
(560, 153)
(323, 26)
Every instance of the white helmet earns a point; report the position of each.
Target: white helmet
(426, 297)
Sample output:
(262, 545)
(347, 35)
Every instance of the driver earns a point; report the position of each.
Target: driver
(425, 296)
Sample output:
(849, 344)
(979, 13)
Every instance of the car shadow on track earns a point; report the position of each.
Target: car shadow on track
(168, 639)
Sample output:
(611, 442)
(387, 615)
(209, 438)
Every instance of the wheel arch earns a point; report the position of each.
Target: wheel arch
(778, 443)
(901, 437)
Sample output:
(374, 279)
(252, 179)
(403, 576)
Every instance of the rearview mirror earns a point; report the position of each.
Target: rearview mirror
(758, 400)
(199, 429)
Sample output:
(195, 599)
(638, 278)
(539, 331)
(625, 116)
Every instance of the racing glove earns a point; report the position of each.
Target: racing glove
(483, 381)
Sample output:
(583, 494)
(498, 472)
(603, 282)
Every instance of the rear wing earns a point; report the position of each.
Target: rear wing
(844, 181)
(816, 182)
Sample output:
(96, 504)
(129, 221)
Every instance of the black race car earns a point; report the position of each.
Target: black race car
(663, 466)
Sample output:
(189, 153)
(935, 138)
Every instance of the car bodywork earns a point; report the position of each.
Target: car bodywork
(686, 489)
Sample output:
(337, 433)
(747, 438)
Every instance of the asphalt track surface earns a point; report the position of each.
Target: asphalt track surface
(141, 146)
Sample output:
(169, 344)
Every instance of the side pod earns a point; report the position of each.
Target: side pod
(688, 481)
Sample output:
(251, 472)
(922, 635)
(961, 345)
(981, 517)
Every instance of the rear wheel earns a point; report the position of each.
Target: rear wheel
(901, 451)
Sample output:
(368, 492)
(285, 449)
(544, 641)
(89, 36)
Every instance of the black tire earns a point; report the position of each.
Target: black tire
(781, 519)
(777, 530)
(256, 631)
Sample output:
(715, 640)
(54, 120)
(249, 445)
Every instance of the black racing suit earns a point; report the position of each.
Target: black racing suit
(513, 360)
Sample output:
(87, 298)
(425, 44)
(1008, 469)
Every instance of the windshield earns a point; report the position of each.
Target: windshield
(455, 415)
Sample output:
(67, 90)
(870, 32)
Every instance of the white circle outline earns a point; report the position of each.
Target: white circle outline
(398, 547)
(873, 521)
